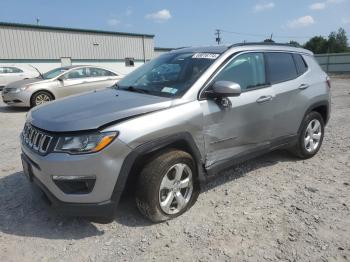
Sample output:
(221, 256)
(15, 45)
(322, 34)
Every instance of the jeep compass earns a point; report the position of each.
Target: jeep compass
(172, 123)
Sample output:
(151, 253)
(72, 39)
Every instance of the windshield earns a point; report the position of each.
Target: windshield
(169, 75)
(54, 72)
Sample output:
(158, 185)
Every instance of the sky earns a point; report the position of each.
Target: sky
(179, 23)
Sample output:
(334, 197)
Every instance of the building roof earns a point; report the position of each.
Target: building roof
(72, 29)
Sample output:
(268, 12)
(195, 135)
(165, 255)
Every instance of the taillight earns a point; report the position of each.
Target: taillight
(328, 81)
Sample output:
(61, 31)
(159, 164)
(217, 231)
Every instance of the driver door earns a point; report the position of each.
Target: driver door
(238, 126)
(74, 82)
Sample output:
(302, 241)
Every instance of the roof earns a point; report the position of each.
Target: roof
(219, 49)
(163, 48)
(272, 46)
(73, 29)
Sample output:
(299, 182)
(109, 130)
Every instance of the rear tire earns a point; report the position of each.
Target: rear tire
(310, 136)
(40, 98)
(167, 186)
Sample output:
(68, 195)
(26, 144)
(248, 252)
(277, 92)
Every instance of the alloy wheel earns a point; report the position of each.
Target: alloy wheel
(176, 189)
(41, 99)
(313, 135)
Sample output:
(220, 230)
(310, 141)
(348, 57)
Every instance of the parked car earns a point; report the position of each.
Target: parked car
(13, 73)
(173, 123)
(57, 83)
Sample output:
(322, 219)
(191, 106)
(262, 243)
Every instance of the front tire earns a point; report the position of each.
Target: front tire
(167, 186)
(40, 98)
(310, 137)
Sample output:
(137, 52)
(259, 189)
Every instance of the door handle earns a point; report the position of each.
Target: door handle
(263, 99)
(303, 86)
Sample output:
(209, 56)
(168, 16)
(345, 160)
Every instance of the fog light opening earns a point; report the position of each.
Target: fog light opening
(75, 184)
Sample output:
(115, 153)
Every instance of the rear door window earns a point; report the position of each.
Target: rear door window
(300, 64)
(99, 72)
(281, 67)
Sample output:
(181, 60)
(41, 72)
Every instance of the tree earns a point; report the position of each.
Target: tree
(294, 43)
(337, 41)
(331, 43)
(317, 44)
(268, 40)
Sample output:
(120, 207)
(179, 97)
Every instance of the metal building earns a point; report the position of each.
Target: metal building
(47, 47)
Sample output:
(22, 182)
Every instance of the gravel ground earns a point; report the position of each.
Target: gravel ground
(272, 208)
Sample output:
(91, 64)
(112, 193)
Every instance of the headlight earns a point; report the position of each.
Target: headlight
(88, 143)
(18, 89)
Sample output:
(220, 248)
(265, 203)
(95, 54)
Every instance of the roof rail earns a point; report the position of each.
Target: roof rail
(262, 43)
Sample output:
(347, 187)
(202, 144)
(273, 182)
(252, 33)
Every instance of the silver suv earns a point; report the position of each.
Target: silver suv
(172, 123)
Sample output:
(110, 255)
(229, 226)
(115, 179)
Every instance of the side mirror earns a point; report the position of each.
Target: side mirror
(61, 78)
(226, 89)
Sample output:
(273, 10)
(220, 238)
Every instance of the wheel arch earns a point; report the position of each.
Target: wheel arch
(139, 156)
(322, 107)
(41, 90)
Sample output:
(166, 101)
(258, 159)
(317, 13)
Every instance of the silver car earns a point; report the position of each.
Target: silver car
(57, 83)
(172, 124)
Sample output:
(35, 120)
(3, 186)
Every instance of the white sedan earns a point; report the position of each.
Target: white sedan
(12, 73)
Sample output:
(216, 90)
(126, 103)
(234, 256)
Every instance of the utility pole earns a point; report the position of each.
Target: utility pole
(218, 38)
(271, 37)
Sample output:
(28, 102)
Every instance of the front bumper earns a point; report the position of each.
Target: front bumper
(21, 99)
(104, 165)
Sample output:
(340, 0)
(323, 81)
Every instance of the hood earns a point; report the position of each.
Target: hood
(93, 110)
(24, 82)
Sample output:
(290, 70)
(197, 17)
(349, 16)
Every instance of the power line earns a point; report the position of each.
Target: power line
(265, 35)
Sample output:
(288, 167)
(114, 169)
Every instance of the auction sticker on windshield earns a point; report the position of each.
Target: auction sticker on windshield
(169, 90)
(205, 56)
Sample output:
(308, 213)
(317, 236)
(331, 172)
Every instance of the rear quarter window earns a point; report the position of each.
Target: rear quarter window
(300, 64)
(281, 67)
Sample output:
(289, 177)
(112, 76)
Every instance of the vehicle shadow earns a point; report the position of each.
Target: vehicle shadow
(248, 166)
(10, 109)
(24, 213)
(128, 214)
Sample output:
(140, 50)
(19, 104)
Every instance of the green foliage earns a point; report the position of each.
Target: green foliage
(337, 42)
(294, 43)
(317, 44)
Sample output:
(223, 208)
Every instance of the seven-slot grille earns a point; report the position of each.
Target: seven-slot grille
(36, 139)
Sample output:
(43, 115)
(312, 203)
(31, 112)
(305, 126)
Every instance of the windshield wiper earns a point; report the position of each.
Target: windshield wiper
(138, 90)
